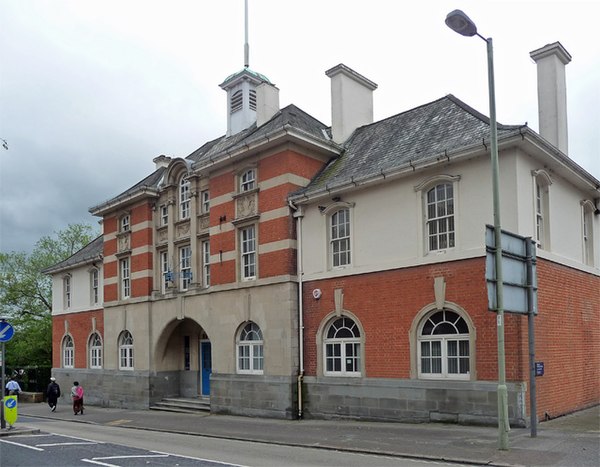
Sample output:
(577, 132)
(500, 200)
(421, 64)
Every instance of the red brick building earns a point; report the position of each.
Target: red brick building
(290, 268)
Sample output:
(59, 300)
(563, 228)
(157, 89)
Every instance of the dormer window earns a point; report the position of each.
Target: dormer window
(248, 180)
(237, 100)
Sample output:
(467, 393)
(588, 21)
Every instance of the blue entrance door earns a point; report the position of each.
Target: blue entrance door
(206, 369)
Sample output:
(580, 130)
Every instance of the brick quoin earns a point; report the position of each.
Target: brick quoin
(110, 269)
(80, 328)
(141, 262)
(141, 238)
(223, 273)
(276, 197)
(275, 230)
(110, 247)
(141, 287)
(141, 213)
(111, 292)
(224, 242)
(109, 224)
(221, 185)
(222, 214)
(286, 162)
(277, 263)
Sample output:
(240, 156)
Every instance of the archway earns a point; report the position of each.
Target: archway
(183, 359)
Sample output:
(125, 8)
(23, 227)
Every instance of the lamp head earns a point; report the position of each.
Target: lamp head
(459, 22)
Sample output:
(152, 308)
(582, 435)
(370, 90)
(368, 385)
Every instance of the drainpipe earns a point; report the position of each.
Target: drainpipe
(299, 214)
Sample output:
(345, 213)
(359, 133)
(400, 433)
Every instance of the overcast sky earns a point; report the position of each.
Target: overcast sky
(91, 91)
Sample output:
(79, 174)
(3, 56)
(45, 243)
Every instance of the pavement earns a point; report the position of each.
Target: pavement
(571, 440)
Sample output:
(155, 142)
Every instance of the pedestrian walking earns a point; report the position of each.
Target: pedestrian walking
(12, 387)
(77, 396)
(53, 393)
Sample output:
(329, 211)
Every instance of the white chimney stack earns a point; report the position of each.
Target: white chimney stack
(267, 102)
(552, 93)
(351, 101)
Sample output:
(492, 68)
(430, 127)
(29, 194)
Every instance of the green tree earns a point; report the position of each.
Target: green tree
(26, 293)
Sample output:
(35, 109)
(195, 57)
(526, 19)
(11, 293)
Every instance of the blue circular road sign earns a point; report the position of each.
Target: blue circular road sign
(6, 331)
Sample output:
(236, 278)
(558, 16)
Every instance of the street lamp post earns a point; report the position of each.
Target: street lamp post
(462, 24)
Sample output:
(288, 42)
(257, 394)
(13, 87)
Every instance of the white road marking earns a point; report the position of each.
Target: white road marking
(202, 459)
(22, 445)
(47, 445)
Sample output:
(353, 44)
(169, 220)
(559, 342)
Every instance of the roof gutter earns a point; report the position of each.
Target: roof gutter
(110, 205)
(468, 152)
(255, 144)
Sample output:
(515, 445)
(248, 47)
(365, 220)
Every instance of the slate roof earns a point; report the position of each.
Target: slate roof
(288, 117)
(92, 251)
(150, 182)
(425, 133)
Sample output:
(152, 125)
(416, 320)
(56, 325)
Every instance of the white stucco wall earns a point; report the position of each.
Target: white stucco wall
(387, 223)
(81, 290)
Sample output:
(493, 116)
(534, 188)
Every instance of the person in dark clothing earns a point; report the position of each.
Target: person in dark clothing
(53, 393)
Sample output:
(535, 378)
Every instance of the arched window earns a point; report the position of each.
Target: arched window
(342, 348)
(68, 352)
(440, 217)
(248, 180)
(541, 187)
(67, 291)
(250, 357)
(340, 238)
(587, 227)
(95, 349)
(443, 344)
(126, 351)
(184, 198)
(95, 286)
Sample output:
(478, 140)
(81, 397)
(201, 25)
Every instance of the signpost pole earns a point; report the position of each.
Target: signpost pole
(531, 334)
(2, 421)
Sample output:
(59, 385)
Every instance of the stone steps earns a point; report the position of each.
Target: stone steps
(183, 405)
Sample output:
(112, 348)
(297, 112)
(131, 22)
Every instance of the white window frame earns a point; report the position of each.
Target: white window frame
(248, 180)
(205, 201)
(443, 358)
(587, 231)
(206, 263)
(248, 253)
(68, 352)
(125, 277)
(250, 350)
(126, 351)
(440, 223)
(184, 198)
(185, 267)
(67, 291)
(340, 248)
(341, 350)
(125, 223)
(541, 206)
(163, 258)
(95, 286)
(95, 351)
(164, 214)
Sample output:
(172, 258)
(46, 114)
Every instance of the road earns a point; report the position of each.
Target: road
(68, 444)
